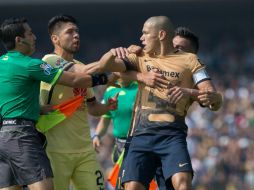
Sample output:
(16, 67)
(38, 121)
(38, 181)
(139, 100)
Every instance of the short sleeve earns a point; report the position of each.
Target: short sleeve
(198, 70)
(42, 71)
(195, 63)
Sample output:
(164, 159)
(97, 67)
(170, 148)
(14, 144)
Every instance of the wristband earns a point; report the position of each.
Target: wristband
(99, 79)
(94, 136)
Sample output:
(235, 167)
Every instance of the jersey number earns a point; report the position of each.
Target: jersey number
(99, 179)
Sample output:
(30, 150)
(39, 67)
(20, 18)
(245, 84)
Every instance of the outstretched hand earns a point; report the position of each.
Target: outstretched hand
(113, 102)
(120, 52)
(134, 49)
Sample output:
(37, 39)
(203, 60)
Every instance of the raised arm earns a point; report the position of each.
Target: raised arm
(109, 62)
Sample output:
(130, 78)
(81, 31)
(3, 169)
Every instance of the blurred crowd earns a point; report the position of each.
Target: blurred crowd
(220, 143)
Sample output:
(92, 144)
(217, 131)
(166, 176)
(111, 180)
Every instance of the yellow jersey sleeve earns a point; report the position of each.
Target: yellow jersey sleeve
(194, 63)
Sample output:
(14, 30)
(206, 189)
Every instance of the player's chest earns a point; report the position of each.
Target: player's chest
(171, 70)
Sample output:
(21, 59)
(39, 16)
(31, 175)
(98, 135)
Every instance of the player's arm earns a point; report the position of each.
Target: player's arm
(76, 80)
(96, 109)
(91, 68)
(208, 95)
(109, 62)
(100, 131)
(66, 76)
(205, 92)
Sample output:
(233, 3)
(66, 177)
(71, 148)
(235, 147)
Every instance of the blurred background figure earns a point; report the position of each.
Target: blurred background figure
(121, 117)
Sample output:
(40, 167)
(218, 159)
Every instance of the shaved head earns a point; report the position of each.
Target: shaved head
(161, 23)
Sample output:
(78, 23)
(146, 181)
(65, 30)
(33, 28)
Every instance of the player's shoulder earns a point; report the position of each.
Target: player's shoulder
(54, 60)
(34, 61)
(184, 54)
(137, 55)
(78, 62)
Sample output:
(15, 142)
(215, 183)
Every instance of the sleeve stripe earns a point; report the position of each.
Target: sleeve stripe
(58, 74)
(202, 81)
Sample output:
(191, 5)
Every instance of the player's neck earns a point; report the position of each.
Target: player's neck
(65, 55)
(166, 49)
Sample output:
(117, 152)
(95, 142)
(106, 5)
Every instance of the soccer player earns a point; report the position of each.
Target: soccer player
(69, 146)
(23, 160)
(121, 118)
(185, 40)
(159, 129)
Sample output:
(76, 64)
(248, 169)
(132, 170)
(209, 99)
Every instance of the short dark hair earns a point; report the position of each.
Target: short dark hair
(10, 29)
(185, 32)
(56, 21)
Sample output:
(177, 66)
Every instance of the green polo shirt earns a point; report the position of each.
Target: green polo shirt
(20, 78)
(121, 117)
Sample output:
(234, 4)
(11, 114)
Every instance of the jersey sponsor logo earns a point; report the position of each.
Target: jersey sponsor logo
(182, 164)
(9, 122)
(164, 73)
(47, 68)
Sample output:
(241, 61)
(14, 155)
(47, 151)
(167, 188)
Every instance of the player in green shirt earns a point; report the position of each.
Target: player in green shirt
(121, 117)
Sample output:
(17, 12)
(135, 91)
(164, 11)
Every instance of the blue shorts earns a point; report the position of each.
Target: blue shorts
(147, 152)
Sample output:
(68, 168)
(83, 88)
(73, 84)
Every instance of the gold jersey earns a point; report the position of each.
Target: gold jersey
(153, 112)
(73, 134)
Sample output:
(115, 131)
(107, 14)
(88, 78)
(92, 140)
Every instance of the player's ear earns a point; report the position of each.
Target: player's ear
(54, 38)
(162, 34)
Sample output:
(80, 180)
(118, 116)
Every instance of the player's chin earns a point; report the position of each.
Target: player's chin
(31, 51)
(145, 49)
(74, 50)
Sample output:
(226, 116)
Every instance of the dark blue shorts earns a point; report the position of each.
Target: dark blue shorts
(147, 152)
(23, 160)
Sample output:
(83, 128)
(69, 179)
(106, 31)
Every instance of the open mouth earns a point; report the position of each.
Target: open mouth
(76, 44)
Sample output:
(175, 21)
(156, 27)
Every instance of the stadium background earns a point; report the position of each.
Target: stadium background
(221, 144)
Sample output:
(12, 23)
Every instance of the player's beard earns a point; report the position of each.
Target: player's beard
(71, 50)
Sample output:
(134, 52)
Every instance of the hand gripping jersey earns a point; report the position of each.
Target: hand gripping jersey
(153, 112)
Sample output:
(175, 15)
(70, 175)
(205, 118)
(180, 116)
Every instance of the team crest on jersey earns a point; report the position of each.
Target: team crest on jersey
(47, 68)
(61, 62)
